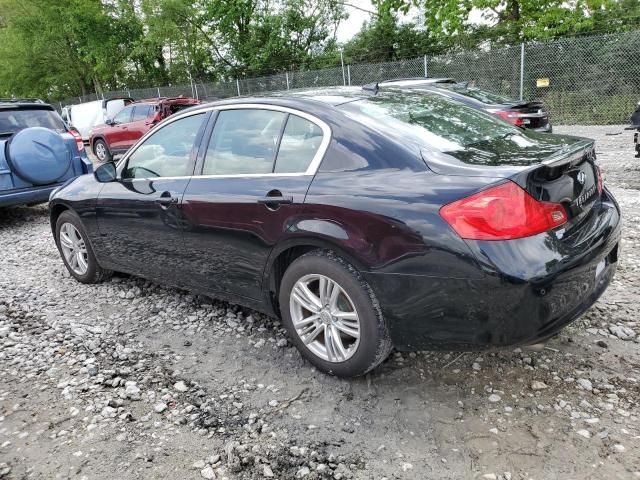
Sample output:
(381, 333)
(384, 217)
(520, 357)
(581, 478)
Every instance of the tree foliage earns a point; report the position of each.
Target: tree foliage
(56, 49)
(511, 21)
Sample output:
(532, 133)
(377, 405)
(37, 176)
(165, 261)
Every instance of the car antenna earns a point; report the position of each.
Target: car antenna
(371, 87)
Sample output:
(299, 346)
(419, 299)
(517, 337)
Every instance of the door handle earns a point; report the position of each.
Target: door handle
(166, 200)
(276, 200)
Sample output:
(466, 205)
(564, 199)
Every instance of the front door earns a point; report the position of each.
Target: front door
(139, 125)
(254, 176)
(140, 214)
(118, 131)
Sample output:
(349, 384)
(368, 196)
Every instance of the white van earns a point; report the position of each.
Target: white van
(84, 116)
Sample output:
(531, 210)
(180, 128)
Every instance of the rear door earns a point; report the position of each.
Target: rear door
(253, 176)
(140, 214)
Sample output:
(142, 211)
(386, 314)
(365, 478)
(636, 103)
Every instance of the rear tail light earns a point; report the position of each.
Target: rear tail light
(599, 179)
(78, 137)
(511, 117)
(504, 212)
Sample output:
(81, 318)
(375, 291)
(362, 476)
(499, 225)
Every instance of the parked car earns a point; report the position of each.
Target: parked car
(366, 221)
(635, 125)
(84, 116)
(526, 114)
(38, 153)
(120, 132)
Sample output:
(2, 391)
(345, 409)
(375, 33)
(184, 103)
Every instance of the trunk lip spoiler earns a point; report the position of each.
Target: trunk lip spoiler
(572, 154)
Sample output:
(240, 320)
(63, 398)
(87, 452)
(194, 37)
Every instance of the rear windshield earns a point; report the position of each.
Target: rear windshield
(12, 121)
(429, 118)
(477, 94)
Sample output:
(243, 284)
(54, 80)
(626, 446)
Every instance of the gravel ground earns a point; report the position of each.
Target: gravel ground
(132, 380)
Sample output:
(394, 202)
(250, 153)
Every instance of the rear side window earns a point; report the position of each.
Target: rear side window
(300, 143)
(243, 142)
(141, 112)
(12, 121)
(167, 152)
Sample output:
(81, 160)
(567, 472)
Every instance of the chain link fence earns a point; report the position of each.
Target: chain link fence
(592, 80)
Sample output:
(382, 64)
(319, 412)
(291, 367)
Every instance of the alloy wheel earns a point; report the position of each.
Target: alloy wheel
(74, 249)
(101, 151)
(325, 318)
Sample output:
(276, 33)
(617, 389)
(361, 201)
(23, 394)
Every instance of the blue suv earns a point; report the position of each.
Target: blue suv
(38, 152)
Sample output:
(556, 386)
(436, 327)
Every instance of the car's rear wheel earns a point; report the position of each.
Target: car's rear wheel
(332, 315)
(101, 151)
(76, 250)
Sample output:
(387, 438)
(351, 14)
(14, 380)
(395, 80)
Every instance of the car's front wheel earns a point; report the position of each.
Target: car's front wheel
(332, 315)
(101, 151)
(76, 250)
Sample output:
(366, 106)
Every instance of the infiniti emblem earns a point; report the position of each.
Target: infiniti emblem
(581, 178)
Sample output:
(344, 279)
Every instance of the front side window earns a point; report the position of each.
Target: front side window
(124, 116)
(300, 143)
(243, 141)
(167, 152)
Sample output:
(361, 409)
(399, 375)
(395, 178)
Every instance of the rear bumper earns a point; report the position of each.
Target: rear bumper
(531, 289)
(27, 196)
(544, 129)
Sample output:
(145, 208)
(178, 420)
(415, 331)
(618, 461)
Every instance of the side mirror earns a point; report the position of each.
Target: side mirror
(106, 173)
(109, 121)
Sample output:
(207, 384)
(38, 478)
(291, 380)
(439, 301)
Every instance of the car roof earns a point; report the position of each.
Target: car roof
(409, 81)
(328, 96)
(316, 99)
(24, 103)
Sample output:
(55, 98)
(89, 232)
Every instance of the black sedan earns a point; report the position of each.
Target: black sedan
(365, 220)
(525, 114)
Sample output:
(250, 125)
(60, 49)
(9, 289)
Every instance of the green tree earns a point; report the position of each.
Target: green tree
(512, 21)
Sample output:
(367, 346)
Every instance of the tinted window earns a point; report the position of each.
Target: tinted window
(300, 142)
(141, 112)
(124, 116)
(243, 142)
(167, 152)
(12, 121)
(429, 118)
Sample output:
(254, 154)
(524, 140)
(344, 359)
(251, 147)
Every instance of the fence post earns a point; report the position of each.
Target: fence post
(425, 67)
(238, 85)
(286, 74)
(344, 79)
(521, 70)
(128, 93)
(349, 74)
(158, 92)
(195, 89)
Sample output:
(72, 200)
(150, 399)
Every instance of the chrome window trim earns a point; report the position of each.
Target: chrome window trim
(311, 169)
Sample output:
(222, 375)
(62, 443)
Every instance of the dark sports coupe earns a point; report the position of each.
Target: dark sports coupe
(365, 220)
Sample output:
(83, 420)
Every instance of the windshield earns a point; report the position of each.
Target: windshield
(12, 121)
(481, 95)
(429, 118)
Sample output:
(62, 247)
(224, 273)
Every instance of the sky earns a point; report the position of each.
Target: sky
(349, 27)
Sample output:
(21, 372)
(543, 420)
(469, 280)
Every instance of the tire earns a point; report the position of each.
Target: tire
(38, 155)
(93, 273)
(358, 355)
(101, 151)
